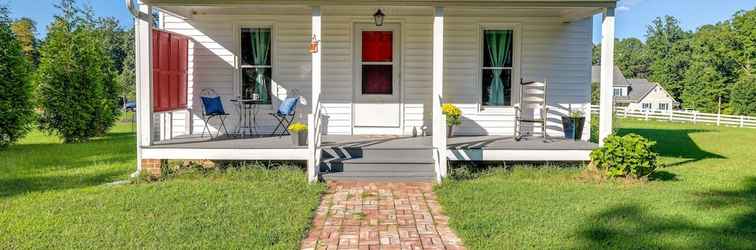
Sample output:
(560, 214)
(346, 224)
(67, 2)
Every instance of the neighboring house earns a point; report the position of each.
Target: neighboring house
(637, 93)
(372, 76)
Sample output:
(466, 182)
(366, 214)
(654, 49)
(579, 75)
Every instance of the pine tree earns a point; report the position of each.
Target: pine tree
(76, 78)
(16, 110)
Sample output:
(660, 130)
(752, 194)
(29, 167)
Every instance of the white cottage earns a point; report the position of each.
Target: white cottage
(371, 77)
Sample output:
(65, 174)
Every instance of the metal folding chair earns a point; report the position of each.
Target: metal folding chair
(532, 109)
(285, 115)
(207, 94)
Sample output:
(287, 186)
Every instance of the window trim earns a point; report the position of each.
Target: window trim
(516, 64)
(238, 66)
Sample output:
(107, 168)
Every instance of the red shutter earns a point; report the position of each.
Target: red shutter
(169, 69)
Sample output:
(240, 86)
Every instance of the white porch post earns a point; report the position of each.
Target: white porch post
(607, 75)
(312, 167)
(143, 46)
(439, 126)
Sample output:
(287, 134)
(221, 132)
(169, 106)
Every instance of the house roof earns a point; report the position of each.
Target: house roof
(619, 78)
(639, 88)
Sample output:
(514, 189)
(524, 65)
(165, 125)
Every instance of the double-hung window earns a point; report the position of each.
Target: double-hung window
(496, 71)
(646, 105)
(663, 106)
(256, 64)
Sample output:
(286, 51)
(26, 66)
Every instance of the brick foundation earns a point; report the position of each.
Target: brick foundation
(151, 167)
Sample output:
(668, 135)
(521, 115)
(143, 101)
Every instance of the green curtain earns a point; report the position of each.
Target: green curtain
(499, 43)
(260, 47)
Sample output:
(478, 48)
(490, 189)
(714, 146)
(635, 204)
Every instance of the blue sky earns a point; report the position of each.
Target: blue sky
(632, 15)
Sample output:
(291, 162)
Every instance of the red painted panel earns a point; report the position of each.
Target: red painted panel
(377, 46)
(170, 64)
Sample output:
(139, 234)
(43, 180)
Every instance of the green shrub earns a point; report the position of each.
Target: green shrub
(16, 110)
(78, 92)
(625, 156)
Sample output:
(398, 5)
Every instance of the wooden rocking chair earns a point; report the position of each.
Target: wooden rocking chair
(532, 109)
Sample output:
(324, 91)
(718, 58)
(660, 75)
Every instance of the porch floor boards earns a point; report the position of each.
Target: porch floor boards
(376, 142)
(229, 142)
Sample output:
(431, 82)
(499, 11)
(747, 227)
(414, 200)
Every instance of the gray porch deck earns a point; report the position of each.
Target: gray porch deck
(227, 142)
(376, 142)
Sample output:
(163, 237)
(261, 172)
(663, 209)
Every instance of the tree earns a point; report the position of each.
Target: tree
(25, 30)
(630, 57)
(76, 78)
(743, 100)
(16, 110)
(127, 78)
(669, 53)
(712, 70)
(596, 54)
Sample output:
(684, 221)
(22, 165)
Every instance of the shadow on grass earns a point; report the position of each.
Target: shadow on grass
(55, 166)
(633, 226)
(674, 143)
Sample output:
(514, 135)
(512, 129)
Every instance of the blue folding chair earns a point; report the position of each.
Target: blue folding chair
(212, 107)
(285, 115)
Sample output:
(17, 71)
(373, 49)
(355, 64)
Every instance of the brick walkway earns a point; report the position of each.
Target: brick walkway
(380, 215)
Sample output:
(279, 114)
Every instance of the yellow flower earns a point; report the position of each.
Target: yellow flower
(297, 127)
(452, 113)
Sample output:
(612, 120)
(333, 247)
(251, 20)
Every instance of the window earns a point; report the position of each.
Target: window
(619, 91)
(256, 67)
(496, 68)
(664, 106)
(647, 106)
(377, 62)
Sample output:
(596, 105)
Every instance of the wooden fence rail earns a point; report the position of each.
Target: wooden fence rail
(684, 116)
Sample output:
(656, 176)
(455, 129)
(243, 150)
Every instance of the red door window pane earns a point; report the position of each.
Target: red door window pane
(377, 79)
(377, 46)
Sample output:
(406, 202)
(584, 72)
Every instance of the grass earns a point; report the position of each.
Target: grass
(53, 196)
(705, 198)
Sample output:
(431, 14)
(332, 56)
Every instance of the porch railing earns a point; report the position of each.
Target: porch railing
(315, 119)
(440, 145)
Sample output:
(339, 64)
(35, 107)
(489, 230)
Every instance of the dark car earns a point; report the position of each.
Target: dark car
(130, 106)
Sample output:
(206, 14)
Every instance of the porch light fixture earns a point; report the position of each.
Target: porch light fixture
(378, 16)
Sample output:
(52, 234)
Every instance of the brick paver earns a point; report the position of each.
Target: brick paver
(380, 215)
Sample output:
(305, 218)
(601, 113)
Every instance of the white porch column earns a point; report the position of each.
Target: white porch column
(607, 75)
(312, 168)
(143, 47)
(439, 126)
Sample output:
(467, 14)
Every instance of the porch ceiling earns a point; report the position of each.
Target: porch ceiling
(509, 3)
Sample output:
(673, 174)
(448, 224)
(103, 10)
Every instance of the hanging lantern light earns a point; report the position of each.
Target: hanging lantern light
(378, 16)
(314, 45)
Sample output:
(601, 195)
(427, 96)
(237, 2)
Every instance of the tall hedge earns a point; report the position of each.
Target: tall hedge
(16, 110)
(78, 93)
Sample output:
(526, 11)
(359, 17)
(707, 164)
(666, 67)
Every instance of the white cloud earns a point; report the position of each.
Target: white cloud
(626, 5)
(623, 8)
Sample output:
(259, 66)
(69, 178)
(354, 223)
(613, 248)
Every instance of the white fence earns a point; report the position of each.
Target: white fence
(684, 116)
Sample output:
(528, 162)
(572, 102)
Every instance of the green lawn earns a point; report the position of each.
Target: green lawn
(705, 198)
(52, 196)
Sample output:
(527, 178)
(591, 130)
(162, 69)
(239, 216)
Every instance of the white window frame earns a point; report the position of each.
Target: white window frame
(666, 106)
(237, 29)
(618, 91)
(516, 58)
(646, 106)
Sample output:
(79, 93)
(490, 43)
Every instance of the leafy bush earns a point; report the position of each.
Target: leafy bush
(16, 110)
(79, 96)
(625, 156)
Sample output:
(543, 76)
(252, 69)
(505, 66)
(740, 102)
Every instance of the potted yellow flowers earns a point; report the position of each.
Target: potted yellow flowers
(453, 117)
(298, 133)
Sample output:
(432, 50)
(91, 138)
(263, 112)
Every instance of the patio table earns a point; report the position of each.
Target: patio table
(247, 116)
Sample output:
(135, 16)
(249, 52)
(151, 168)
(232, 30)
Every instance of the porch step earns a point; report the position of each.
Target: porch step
(377, 164)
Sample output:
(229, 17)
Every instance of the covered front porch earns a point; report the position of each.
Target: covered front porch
(437, 55)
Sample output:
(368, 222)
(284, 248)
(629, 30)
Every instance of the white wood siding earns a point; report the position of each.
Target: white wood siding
(551, 49)
(213, 61)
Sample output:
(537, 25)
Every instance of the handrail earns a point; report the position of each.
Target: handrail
(317, 126)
